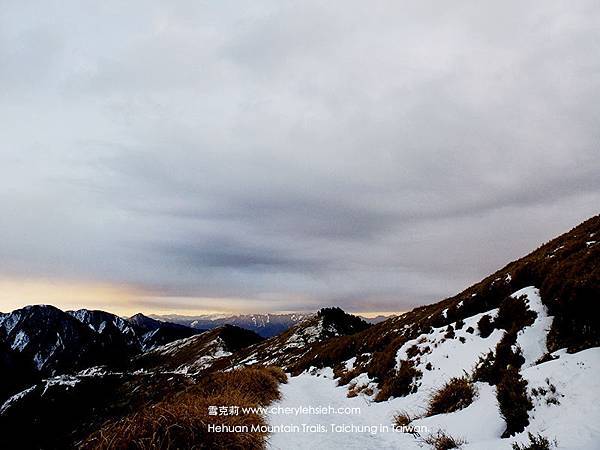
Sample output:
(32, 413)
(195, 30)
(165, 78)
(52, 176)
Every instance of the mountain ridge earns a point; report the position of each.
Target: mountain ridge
(513, 340)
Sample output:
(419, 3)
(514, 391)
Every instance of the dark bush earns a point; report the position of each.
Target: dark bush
(381, 364)
(400, 384)
(485, 326)
(484, 368)
(491, 368)
(513, 314)
(513, 401)
(412, 351)
(343, 322)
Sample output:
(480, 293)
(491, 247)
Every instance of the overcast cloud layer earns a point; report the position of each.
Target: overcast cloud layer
(290, 155)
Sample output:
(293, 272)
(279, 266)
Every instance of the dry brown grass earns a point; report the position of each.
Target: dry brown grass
(456, 394)
(257, 385)
(402, 419)
(277, 373)
(352, 391)
(345, 377)
(182, 421)
(443, 441)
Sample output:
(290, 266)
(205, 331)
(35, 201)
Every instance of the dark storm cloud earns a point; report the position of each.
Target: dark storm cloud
(222, 253)
(292, 155)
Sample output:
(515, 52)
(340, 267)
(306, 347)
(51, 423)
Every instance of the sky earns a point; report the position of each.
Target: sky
(194, 156)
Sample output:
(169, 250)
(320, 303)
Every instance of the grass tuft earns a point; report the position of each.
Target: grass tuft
(443, 441)
(456, 394)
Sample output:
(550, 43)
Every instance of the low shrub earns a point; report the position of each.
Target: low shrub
(443, 441)
(413, 351)
(401, 383)
(491, 368)
(538, 442)
(402, 419)
(484, 369)
(513, 401)
(485, 326)
(380, 365)
(456, 394)
(326, 354)
(514, 314)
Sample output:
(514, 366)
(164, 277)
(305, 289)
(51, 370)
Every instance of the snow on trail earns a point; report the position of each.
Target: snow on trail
(574, 421)
(532, 339)
(309, 390)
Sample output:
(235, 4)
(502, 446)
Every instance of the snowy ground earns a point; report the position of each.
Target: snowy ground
(310, 390)
(575, 422)
(568, 410)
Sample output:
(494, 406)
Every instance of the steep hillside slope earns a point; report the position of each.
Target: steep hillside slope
(56, 342)
(110, 327)
(293, 344)
(197, 353)
(153, 333)
(566, 270)
(42, 341)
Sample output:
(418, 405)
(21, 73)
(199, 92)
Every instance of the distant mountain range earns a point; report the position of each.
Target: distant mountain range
(265, 325)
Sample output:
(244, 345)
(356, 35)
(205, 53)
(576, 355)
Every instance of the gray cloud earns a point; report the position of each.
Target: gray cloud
(375, 156)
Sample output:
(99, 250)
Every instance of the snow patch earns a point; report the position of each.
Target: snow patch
(532, 339)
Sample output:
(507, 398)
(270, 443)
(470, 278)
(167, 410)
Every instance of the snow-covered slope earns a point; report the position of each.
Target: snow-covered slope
(196, 353)
(290, 346)
(52, 339)
(110, 326)
(574, 422)
(561, 390)
(153, 333)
